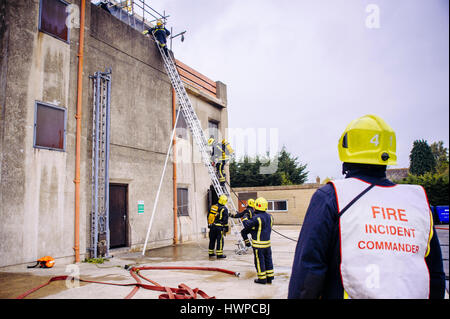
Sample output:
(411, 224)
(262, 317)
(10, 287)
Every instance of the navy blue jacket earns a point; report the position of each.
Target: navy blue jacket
(221, 219)
(315, 270)
(161, 33)
(248, 213)
(261, 227)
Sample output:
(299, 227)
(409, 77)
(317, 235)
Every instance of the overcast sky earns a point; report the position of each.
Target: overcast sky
(307, 68)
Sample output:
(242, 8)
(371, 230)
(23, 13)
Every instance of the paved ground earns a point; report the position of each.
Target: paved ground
(443, 232)
(15, 280)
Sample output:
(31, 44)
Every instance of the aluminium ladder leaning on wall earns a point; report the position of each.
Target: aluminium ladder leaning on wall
(199, 137)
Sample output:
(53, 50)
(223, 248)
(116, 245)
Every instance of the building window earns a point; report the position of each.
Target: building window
(182, 129)
(49, 127)
(277, 205)
(182, 202)
(52, 18)
(213, 130)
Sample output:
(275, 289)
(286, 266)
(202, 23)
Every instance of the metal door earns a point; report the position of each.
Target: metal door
(118, 215)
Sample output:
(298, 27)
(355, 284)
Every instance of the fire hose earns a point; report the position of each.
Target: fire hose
(182, 292)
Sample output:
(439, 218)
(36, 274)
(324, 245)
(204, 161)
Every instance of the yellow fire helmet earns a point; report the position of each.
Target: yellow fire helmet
(251, 202)
(210, 141)
(368, 140)
(159, 23)
(261, 204)
(223, 199)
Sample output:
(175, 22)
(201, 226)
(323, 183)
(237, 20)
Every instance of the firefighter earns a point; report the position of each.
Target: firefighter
(220, 155)
(247, 213)
(356, 239)
(218, 226)
(161, 34)
(262, 251)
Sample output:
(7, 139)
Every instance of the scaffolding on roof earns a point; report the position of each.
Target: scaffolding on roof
(136, 13)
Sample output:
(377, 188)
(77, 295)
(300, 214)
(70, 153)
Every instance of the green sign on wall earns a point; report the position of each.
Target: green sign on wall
(140, 206)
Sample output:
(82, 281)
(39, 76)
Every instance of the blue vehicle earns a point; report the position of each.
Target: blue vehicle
(440, 214)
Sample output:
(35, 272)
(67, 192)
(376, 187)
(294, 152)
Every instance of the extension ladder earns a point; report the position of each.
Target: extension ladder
(198, 135)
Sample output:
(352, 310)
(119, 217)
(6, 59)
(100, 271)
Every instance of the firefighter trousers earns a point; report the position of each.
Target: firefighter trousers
(220, 167)
(215, 240)
(244, 234)
(263, 263)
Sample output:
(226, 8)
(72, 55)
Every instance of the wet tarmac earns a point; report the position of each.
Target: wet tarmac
(15, 280)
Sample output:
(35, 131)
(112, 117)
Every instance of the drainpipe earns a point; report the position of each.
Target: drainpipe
(78, 132)
(174, 157)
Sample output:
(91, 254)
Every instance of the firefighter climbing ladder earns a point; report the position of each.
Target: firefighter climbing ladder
(199, 137)
(100, 164)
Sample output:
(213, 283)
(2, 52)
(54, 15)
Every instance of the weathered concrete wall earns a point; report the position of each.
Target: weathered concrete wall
(297, 196)
(141, 121)
(36, 184)
(37, 189)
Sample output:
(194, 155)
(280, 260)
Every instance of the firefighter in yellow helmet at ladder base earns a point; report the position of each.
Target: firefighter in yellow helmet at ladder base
(220, 156)
(247, 213)
(161, 34)
(218, 226)
(344, 250)
(260, 226)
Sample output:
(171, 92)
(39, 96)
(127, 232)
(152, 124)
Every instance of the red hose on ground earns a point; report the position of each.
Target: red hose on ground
(182, 292)
(187, 268)
(192, 294)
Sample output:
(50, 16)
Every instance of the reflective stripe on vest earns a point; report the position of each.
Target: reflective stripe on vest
(384, 238)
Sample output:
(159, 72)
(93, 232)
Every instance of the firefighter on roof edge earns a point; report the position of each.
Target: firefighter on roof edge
(218, 226)
(247, 213)
(261, 227)
(161, 34)
(220, 155)
(364, 236)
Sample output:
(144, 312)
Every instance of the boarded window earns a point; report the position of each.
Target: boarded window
(53, 15)
(183, 202)
(49, 126)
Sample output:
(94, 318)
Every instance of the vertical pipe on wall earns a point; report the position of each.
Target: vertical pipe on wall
(78, 132)
(174, 154)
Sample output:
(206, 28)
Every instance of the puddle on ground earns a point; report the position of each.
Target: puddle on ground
(185, 252)
(16, 284)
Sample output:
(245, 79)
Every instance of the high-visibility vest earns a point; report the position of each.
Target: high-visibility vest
(384, 238)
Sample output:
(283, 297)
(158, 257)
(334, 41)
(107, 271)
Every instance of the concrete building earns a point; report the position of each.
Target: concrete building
(38, 129)
(287, 203)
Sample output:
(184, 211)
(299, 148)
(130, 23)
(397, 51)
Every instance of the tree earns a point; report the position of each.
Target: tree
(291, 172)
(440, 154)
(246, 173)
(424, 161)
(421, 158)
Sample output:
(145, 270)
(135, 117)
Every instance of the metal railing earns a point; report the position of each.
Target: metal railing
(136, 13)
